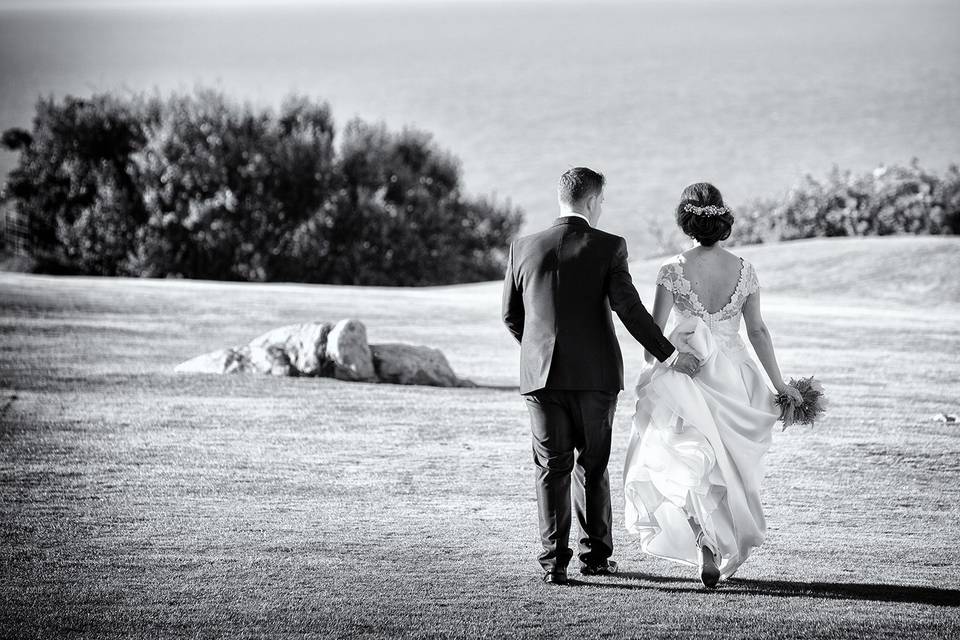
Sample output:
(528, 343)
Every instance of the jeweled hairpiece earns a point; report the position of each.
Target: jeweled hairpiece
(709, 210)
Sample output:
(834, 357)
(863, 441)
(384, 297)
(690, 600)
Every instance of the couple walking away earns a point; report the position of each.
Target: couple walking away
(704, 412)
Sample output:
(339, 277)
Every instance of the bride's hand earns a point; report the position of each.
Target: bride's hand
(686, 363)
(791, 392)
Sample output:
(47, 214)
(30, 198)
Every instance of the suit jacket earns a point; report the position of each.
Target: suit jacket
(560, 286)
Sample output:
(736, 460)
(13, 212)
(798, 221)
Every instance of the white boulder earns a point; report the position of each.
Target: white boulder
(244, 359)
(304, 344)
(214, 362)
(348, 351)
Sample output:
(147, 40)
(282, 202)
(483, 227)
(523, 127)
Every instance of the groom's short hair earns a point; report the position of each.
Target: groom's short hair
(579, 183)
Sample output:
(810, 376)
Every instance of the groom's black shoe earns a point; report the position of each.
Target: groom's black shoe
(605, 568)
(557, 576)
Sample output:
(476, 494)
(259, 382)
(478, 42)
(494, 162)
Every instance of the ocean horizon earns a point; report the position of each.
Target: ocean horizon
(748, 95)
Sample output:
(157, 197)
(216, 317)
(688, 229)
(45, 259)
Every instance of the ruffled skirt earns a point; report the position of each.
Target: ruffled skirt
(696, 452)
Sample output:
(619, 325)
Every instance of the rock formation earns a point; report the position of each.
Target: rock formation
(304, 345)
(330, 350)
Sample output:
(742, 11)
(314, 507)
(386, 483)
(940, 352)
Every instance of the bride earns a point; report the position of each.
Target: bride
(694, 461)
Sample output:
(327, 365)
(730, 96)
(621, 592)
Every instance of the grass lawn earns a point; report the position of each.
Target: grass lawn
(137, 502)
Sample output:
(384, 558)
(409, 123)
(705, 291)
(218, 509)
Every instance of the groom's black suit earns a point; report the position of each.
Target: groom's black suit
(560, 286)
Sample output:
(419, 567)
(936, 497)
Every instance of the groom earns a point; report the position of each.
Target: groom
(560, 286)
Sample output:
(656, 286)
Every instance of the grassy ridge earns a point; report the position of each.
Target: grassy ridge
(137, 502)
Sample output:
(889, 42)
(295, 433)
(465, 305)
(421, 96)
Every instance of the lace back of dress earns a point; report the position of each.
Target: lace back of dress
(688, 302)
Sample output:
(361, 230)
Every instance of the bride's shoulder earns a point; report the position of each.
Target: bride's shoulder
(672, 261)
(672, 264)
(735, 259)
(751, 282)
(669, 273)
(746, 263)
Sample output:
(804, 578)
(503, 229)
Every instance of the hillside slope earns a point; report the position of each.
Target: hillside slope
(907, 269)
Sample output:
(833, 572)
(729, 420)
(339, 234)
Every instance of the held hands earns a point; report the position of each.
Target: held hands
(687, 363)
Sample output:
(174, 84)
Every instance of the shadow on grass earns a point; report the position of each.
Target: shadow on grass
(789, 589)
(496, 387)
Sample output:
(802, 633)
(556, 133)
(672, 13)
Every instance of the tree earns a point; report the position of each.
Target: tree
(225, 186)
(199, 186)
(75, 183)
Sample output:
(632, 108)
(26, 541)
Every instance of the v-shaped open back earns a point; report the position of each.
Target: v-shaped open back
(729, 298)
(688, 302)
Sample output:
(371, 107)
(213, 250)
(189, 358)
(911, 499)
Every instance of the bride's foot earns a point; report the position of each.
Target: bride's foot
(709, 564)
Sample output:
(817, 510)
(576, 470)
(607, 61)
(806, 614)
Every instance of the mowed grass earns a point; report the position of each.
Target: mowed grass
(136, 502)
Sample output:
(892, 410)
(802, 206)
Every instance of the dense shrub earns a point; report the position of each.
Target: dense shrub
(401, 214)
(76, 186)
(198, 186)
(224, 186)
(890, 200)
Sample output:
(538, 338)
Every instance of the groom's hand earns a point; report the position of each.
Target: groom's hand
(686, 363)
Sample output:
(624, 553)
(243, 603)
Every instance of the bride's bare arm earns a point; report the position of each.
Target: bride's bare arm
(762, 343)
(662, 305)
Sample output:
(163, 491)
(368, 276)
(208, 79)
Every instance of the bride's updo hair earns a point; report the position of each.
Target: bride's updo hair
(702, 215)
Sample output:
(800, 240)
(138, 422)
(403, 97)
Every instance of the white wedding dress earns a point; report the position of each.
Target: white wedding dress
(697, 444)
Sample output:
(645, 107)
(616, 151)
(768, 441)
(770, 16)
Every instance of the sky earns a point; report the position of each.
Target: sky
(54, 4)
(186, 4)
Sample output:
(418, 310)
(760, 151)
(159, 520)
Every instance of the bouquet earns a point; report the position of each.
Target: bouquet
(813, 405)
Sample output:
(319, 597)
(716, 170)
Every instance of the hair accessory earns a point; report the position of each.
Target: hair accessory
(709, 210)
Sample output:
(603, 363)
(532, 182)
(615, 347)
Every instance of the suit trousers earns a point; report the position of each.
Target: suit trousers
(571, 435)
